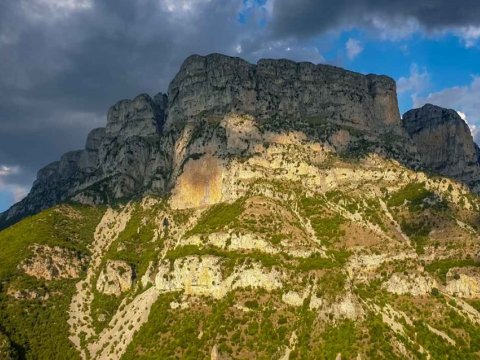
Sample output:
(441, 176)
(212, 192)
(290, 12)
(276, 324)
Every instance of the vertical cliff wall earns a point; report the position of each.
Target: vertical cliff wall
(147, 142)
(444, 142)
(279, 90)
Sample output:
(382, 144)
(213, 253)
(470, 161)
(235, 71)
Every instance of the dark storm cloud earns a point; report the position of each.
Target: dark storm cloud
(304, 18)
(64, 62)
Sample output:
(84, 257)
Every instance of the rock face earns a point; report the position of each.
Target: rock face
(126, 158)
(173, 143)
(116, 278)
(53, 263)
(444, 142)
(463, 282)
(276, 90)
(203, 276)
(413, 284)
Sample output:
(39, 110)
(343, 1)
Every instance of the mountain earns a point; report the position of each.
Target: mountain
(279, 210)
(144, 146)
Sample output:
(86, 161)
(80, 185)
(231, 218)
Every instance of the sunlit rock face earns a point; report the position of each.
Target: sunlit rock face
(221, 108)
(116, 278)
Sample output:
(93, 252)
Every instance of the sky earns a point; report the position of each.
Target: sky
(63, 63)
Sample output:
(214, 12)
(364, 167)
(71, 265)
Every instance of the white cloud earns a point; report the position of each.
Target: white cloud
(415, 83)
(47, 10)
(8, 170)
(469, 34)
(396, 28)
(17, 192)
(464, 99)
(462, 115)
(181, 6)
(288, 50)
(354, 48)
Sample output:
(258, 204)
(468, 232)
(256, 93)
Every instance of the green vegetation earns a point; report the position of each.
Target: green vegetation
(103, 306)
(218, 217)
(7, 352)
(51, 227)
(340, 338)
(192, 333)
(358, 149)
(135, 243)
(327, 227)
(331, 284)
(417, 230)
(414, 193)
(440, 267)
(417, 198)
(38, 328)
(379, 339)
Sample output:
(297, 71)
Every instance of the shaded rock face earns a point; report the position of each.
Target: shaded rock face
(169, 143)
(444, 142)
(126, 158)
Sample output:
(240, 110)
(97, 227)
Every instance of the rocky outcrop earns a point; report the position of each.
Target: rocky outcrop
(463, 282)
(28, 294)
(116, 278)
(126, 158)
(444, 142)
(55, 263)
(203, 276)
(413, 284)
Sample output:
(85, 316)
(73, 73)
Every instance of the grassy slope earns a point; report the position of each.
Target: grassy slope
(38, 329)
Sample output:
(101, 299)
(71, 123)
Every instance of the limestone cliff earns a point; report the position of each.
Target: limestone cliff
(444, 142)
(187, 139)
(282, 90)
(272, 238)
(126, 158)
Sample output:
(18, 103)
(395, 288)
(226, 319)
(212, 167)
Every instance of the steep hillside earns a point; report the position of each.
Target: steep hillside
(279, 248)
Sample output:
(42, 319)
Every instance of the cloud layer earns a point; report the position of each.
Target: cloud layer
(393, 18)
